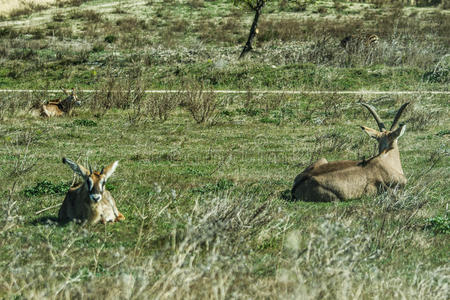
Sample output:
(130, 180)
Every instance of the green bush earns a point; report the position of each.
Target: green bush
(221, 185)
(46, 187)
(84, 122)
(438, 224)
(110, 39)
(98, 47)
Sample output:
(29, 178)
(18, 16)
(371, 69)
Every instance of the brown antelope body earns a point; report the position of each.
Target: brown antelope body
(58, 108)
(89, 201)
(341, 180)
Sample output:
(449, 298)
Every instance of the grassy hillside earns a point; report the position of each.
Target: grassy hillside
(170, 42)
(206, 194)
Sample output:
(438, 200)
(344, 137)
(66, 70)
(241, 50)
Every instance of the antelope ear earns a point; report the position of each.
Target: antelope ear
(109, 170)
(399, 131)
(370, 132)
(78, 169)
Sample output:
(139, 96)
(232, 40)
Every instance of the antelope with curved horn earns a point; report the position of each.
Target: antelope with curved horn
(56, 108)
(340, 180)
(90, 201)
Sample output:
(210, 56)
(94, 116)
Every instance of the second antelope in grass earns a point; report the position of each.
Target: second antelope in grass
(89, 201)
(58, 108)
(355, 42)
(346, 179)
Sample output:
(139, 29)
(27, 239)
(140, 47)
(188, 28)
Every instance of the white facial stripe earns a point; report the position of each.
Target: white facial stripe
(90, 184)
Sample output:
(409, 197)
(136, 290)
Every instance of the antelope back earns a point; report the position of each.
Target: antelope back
(51, 110)
(58, 107)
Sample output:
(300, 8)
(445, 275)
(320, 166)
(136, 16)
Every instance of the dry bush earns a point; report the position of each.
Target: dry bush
(179, 25)
(58, 31)
(333, 142)
(394, 199)
(9, 32)
(200, 104)
(160, 106)
(202, 258)
(196, 3)
(7, 106)
(325, 109)
(341, 260)
(137, 98)
(87, 14)
(265, 103)
(231, 24)
(14, 103)
(117, 92)
(27, 8)
(208, 252)
(423, 118)
(227, 31)
(131, 24)
(207, 30)
(301, 30)
(322, 50)
(71, 2)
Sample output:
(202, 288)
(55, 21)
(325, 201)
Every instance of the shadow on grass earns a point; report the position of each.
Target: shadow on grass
(47, 220)
(286, 195)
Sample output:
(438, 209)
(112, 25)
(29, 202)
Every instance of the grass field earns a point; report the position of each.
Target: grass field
(203, 179)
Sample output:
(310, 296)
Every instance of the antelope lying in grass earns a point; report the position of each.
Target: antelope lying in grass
(89, 201)
(340, 180)
(58, 107)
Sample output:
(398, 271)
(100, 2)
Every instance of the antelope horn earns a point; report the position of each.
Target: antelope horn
(64, 91)
(90, 169)
(102, 170)
(375, 115)
(398, 115)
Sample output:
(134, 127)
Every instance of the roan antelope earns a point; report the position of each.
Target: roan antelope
(340, 180)
(58, 107)
(354, 42)
(89, 201)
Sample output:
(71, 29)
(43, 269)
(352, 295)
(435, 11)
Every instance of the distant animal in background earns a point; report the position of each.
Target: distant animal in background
(58, 108)
(346, 179)
(354, 42)
(89, 201)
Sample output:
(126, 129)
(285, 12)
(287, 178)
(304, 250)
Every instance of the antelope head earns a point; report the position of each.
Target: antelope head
(72, 98)
(387, 139)
(94, 182)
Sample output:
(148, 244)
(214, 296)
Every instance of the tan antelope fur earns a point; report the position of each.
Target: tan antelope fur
(340, 180)
(89, 201)
(58, 108)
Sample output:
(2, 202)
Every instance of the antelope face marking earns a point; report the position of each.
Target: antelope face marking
(94, 181)
(96, 185)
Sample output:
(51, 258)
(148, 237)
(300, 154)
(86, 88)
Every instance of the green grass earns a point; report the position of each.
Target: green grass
(172, 43)
(207, 206)
(213, 197)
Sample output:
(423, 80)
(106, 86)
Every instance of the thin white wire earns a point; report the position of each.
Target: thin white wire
(285, 92)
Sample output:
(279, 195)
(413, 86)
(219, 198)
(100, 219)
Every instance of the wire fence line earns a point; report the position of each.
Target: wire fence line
(284, 92)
